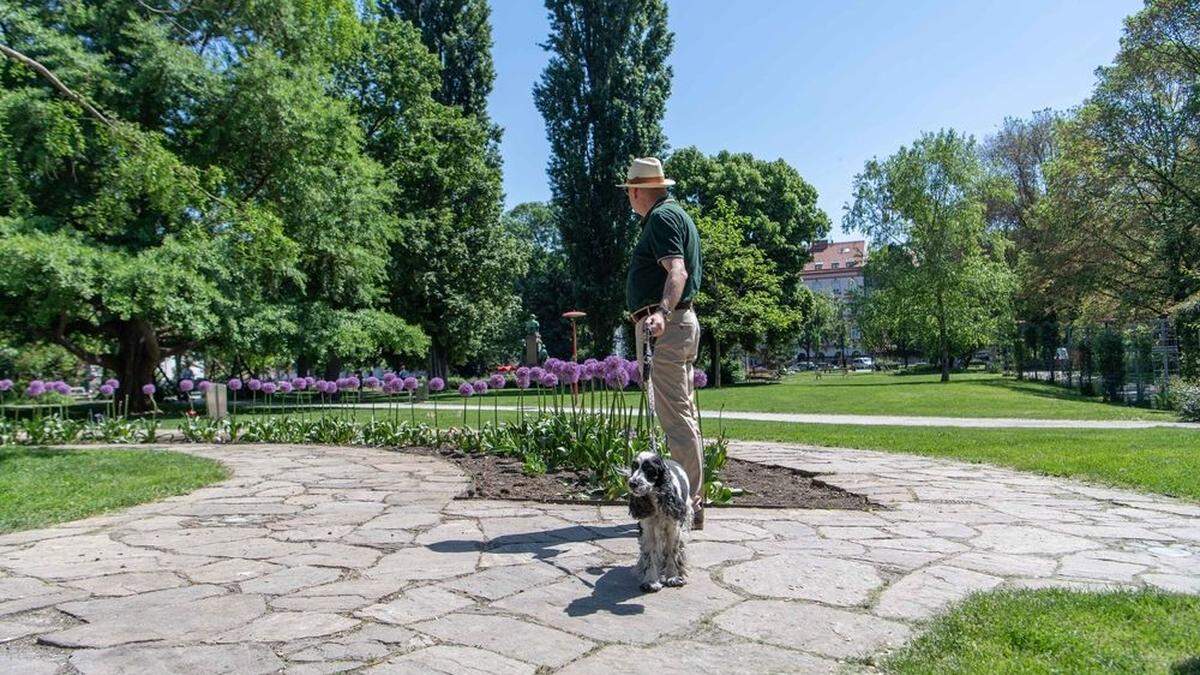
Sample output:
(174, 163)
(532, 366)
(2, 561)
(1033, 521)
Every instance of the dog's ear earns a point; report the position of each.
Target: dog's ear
(641, 508)
(670, 501)
(657, 471)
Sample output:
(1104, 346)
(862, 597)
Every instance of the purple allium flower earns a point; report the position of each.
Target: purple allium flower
(6, 384)
(635, 371)
(611, 363)
(389, 376)
(617, 378)
(371, 382)
(268, 388)
(552, 364)
(411, 383)
(523, 371)
(254, 384)
(186, 385)
(284, 386)
(523, 382)
(699, 379)
(234, 384)
(299, 383)
(106, 390)
(331, 387)
(465, 389)
(437, 384)
(480, 386)
(204, 385)
(62, 387)
(550, 380)
(113, 382)
(149, 389)
(497, 381)
(570, 372)
(353, 382)
(310, 381)
(36, 388)
(536, 374)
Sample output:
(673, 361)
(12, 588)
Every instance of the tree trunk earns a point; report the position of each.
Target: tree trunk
(138, 354)
(303, 366)
(439, 360)
(333, 367)
(715, 355)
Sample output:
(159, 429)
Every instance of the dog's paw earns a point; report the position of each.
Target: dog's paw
(674, 582)
(651, 587)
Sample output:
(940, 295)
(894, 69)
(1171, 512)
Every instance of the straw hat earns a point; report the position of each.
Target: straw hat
(646, 172)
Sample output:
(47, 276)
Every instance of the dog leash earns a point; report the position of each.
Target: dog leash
(648, 389)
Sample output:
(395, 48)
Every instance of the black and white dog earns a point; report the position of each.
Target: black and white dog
(660, 500)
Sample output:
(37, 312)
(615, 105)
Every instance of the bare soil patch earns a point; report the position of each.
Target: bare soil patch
(761, 485)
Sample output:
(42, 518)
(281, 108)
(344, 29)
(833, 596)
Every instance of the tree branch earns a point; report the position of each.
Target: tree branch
(56, 83)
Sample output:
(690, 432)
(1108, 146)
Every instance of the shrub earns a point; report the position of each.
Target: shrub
(1185, 394)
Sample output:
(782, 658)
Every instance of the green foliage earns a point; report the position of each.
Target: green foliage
(603, 95)
(940, 279)
(1185, 398)
(453, 266)
(545, 288)
(741, 298)
(775, 208)
(221, 199)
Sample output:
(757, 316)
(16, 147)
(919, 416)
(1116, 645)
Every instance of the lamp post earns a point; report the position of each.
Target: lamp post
(573, 316)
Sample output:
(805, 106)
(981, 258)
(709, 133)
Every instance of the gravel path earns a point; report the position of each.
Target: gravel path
(325, 559)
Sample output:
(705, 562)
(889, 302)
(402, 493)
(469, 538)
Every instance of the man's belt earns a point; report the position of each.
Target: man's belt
(638, 315)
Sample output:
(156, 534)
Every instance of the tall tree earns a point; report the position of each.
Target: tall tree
(453, 267)
(186, 181)
(459, 33)
(741, 298)
(603, 95)
(775, 205)
(935, 257)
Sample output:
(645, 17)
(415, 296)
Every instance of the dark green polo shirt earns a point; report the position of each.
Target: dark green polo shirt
(667, 231)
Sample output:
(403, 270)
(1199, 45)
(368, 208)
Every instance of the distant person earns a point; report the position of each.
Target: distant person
(664, 276)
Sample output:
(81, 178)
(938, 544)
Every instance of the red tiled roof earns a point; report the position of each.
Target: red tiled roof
(847, 255)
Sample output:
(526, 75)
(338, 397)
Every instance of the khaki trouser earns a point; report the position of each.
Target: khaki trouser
(671, 386)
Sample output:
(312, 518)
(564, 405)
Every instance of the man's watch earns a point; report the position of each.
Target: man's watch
(665, 312)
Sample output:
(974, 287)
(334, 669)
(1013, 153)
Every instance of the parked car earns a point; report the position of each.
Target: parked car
(805, 365)
(863, 363)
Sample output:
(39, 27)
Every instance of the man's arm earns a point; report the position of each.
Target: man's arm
(672, 291)
(676, 278)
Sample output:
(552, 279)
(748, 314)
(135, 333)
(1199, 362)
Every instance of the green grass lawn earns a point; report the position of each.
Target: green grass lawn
(1057, 631)
(966, 395)
(973, 394)
(40, 486)
(1162, 460)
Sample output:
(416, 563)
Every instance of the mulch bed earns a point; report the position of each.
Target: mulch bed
(763, 486)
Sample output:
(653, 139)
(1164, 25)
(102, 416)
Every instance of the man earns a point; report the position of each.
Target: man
(664, 276)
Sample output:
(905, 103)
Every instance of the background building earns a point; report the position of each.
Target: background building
(836, 270)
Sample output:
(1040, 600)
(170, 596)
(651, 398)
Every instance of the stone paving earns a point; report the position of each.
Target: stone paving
(332, 559)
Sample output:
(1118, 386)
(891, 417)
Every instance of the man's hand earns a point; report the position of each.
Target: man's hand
(656, 324)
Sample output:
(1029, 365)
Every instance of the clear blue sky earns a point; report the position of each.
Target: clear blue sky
(826, 85)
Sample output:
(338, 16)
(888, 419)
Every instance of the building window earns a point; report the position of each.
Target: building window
(834, 266)
(819, 266)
